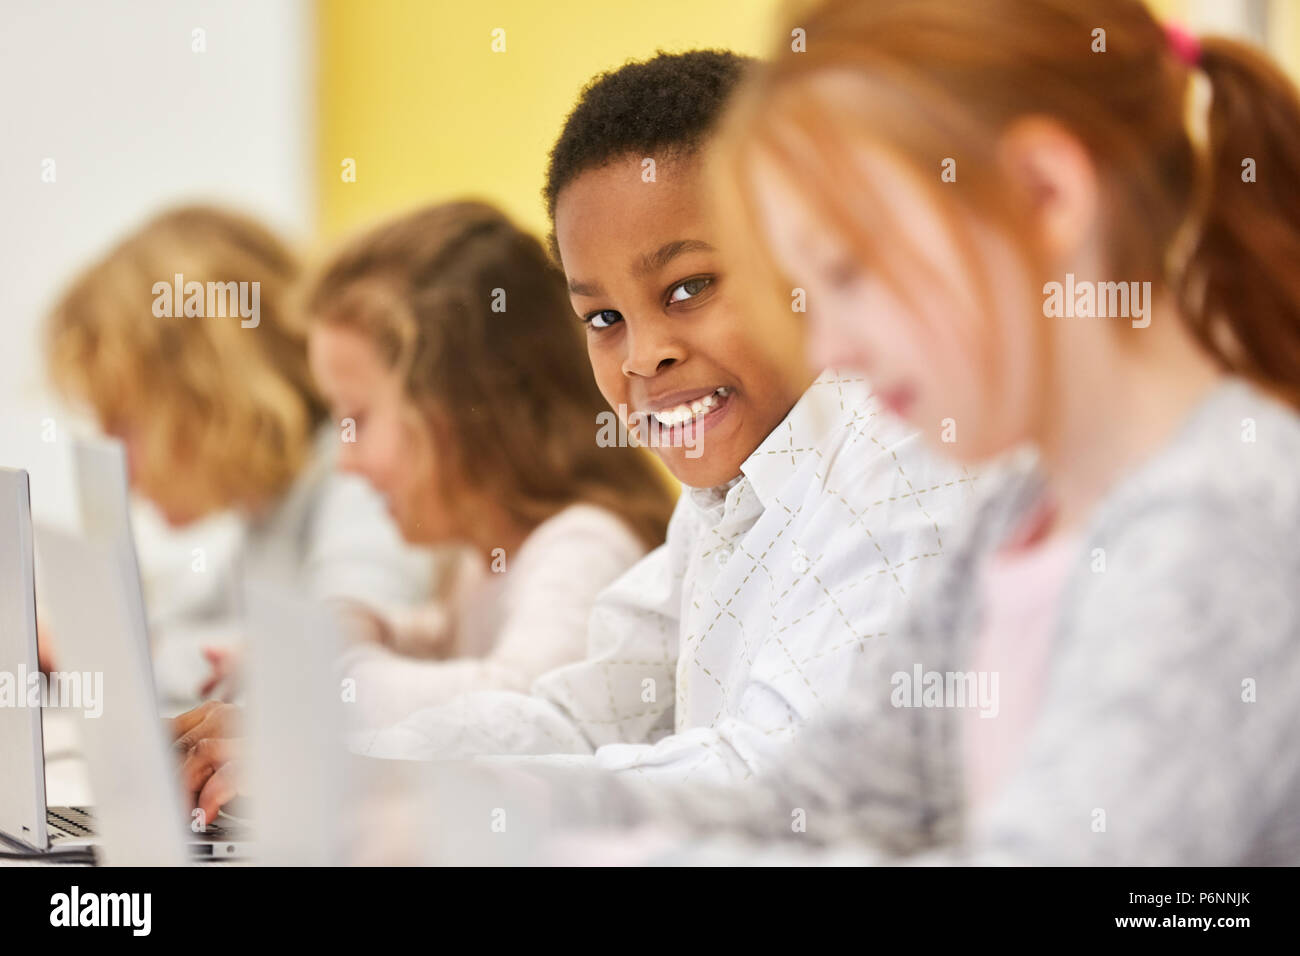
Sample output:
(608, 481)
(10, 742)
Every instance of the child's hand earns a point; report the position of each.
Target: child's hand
(205, 738)
(211, 774)
(211, 719)
(225, 663)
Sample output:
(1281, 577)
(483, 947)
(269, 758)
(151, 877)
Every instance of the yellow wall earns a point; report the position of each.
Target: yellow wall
(412, 90)
(1285, 41)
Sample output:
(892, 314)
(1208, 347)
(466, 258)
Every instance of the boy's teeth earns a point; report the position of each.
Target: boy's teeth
(685, 412)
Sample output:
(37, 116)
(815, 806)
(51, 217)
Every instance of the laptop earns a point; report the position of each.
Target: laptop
(22, 754)
(98, 615)
(104, 507)
(316, 804)
(296, 760)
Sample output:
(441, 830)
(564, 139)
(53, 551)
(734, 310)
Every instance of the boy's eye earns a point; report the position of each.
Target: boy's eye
(602, 319)
(689, 289)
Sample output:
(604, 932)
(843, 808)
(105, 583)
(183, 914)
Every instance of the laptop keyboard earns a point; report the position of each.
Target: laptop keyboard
(70, 821)
(78, 822)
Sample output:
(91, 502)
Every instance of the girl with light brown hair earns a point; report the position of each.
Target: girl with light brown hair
(444, 343)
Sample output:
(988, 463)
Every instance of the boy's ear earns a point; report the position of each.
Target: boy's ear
(1059, 180)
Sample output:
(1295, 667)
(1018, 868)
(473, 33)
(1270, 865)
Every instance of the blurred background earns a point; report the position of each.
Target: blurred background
(116, 109)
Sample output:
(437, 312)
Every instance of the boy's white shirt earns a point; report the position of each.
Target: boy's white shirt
(752, 617)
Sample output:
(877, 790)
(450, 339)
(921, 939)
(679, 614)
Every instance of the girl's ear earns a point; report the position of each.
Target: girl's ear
(1059, 183)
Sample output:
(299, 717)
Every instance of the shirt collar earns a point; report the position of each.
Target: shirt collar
(807, 426)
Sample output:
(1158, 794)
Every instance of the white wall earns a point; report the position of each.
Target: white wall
(135, 120)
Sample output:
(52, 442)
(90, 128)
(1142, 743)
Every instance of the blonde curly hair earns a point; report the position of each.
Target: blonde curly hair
(236, 406)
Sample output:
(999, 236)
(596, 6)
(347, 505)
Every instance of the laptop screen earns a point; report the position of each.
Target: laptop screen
(22, 798)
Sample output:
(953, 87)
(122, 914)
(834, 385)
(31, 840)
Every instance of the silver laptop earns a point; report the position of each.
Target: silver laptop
(316, 804)
(296, 758)
(22, 796)
(104, 506)
(97, 612)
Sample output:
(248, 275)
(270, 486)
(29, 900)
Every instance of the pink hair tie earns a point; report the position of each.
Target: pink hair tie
(1184, 45)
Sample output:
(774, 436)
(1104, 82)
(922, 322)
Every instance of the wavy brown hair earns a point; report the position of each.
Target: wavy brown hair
(476, 319)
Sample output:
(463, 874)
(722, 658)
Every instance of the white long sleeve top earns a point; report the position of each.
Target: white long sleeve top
(505, 624)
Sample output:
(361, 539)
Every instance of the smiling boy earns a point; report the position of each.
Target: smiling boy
(804, 516)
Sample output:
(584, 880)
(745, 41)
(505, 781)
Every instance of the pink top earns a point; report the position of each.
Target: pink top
(1021, 586)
